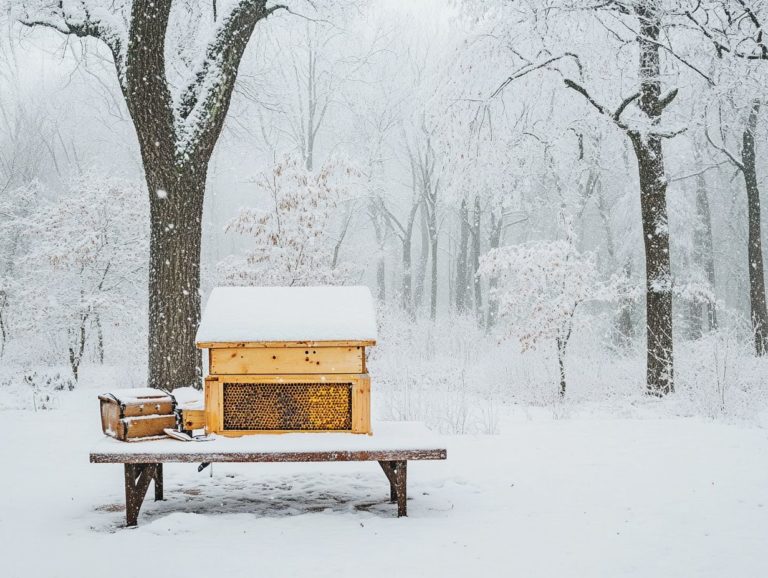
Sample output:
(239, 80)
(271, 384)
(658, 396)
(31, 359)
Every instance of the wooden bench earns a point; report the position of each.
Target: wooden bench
(392, 445)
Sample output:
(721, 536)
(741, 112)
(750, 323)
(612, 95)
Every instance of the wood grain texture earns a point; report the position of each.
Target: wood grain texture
(267, 457)
(361, 406)
(137, 480)
(346, 343)
(193, 418)
(145, 426)
(282, 360)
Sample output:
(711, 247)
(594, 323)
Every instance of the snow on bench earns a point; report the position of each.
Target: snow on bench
(401, 438)
(392, 445)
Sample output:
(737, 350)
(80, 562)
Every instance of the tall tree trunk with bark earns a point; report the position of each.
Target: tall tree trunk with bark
(99, 338)
(497, 219)
(421, 272)
(176, 140)
(406, 236)
(477, 287)
(377, 216)
(647, 144)
(461, 259)
(658, 274)
(758, 312)
(653, 205)
(703, 314)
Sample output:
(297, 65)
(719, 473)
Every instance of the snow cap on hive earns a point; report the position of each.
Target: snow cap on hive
(268, 314)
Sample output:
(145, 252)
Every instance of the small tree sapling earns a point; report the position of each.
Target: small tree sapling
(292, 243)
(540, 286)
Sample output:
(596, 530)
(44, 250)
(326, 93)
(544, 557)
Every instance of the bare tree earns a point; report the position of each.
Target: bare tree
(176, 139)
(462, 271)
(745, 162)
(647, 144)
(703, 314)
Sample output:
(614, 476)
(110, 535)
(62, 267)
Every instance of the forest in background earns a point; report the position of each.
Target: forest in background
(515, 181)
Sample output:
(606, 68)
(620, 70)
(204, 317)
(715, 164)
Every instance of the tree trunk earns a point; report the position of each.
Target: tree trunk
(381, 264)
(77, 348)
(433, 286)
(759, 315)
(478, 294)
(421, 273)
(3, 330)
(431, 211)
(407, 297)
(625, 328)
(461, 260)
(658, 285)
(653, 205)
(494, 242)
(174, 280)
(99, 339)
(561, 345)
(703, 315)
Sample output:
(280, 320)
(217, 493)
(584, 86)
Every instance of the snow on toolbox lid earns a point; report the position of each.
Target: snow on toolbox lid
(288, 314)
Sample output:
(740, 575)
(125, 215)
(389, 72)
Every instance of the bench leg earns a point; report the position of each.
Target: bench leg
(158, 482)
(137, 479)
(397, 472)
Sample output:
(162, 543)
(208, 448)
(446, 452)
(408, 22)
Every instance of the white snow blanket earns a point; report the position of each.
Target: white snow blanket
(238, 314)
(588, 495)
(387, 436)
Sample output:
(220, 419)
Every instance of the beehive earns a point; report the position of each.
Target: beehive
(286, 359)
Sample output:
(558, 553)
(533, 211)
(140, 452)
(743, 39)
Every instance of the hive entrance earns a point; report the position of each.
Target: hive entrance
(287, 406)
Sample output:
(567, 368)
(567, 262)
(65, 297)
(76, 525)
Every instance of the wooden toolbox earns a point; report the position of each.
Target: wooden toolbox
(137, 413)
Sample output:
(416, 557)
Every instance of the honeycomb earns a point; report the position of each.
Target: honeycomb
(287, 406)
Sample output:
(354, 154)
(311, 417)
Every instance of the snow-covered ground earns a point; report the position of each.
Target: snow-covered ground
(584, 496)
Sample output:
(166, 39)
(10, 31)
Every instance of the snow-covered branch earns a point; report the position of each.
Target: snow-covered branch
(105, 20)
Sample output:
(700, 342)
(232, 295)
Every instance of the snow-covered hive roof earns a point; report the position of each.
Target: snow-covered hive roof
(288, 314)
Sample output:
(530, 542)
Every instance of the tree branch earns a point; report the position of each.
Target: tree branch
(530, 68)
(206, 100)
(665, 100)
(625, 103)
(84, 25)
(615, 117)
(731, 157)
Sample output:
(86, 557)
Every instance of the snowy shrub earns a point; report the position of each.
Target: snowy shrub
(45, 388)
(33, 390)
(17, 207)
(292, 239)
(720, 377)
(86, 264)
(539, 288)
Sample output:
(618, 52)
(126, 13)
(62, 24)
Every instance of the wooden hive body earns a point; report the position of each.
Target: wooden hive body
(266, 385)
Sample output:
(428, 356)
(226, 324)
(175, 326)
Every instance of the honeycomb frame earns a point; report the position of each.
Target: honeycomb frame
(287, 406)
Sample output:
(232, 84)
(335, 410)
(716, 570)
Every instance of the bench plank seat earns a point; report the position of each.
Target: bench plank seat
(392, 445)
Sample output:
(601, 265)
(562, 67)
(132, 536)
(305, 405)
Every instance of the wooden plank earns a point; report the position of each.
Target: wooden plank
(345, 343)
(214, 420)
(236, 433)
(361, 406)
(145, 426)
(294, 378)
(280, 457)
(282, 360)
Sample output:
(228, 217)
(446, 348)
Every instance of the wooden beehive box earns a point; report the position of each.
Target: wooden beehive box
(284, 359)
